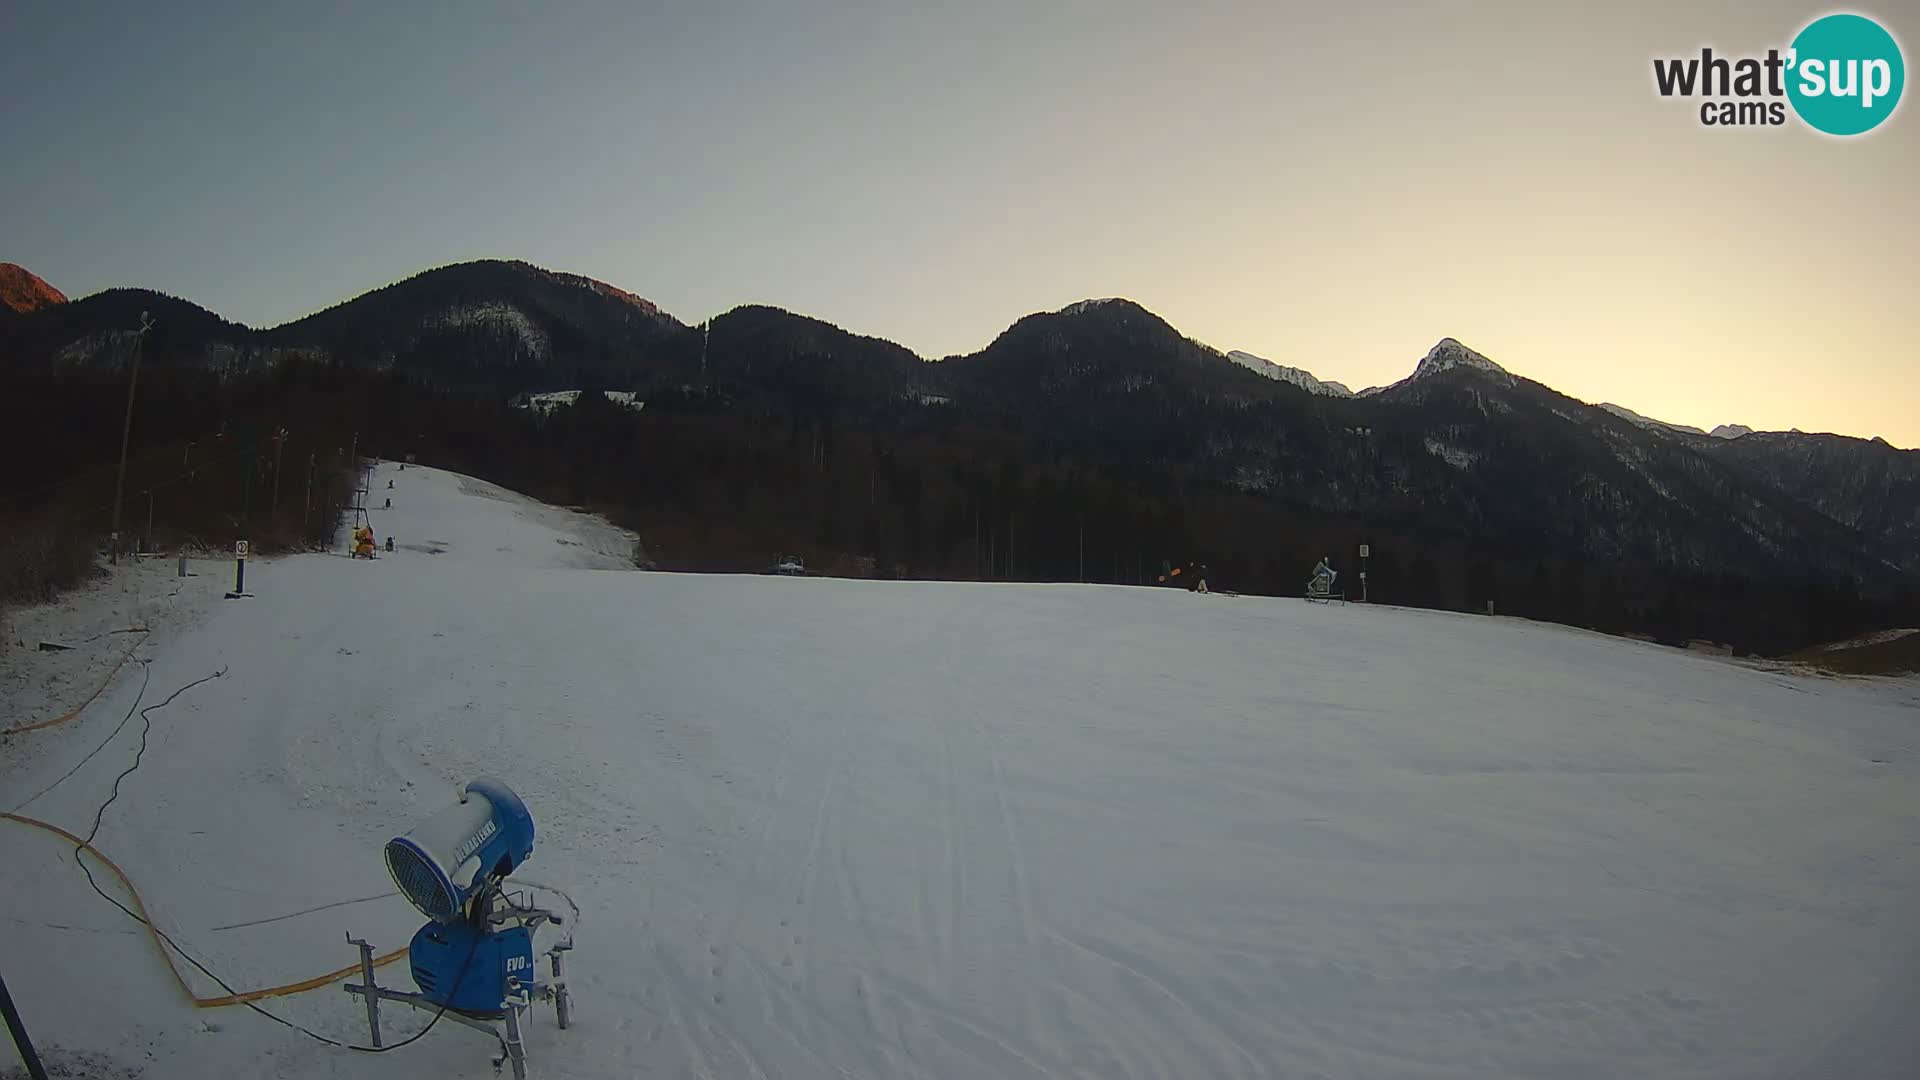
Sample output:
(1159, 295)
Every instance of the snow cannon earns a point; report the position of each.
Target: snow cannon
(450, 867)
(462, 851)
(473, 960)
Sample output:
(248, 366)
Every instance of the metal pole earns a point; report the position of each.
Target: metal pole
(366, 973)
(562, 1000)
(307, 511)
(279, 444)
(516, 1043)
(19, 1032)
(126, 433)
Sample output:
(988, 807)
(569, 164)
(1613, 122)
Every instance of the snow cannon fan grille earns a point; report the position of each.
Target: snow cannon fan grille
(419, 882)
(462, 851)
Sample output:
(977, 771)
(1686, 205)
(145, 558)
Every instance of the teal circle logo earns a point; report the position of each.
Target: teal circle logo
(1845, 74)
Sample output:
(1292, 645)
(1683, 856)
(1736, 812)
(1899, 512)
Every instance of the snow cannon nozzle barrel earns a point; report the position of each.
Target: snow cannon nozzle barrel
(462, 851)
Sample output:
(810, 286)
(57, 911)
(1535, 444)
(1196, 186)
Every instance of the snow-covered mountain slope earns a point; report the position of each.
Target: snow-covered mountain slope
(1724, 431)
(553, 399)
(1301, 378)
(1648, 422)
(1082, 307)
(1449, 354)
(891, 829)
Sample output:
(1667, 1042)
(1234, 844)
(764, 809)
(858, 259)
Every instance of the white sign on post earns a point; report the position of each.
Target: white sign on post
(239, 549)
(1364, 550)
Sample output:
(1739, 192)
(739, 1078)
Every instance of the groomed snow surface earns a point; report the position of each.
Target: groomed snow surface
(826, 828)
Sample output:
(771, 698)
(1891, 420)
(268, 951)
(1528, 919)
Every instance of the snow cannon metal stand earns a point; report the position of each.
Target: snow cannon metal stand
(473, 961)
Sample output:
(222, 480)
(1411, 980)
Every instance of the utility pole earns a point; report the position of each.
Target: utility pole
(353, 470)
(126, 433)
(306, 512)
(279, 444)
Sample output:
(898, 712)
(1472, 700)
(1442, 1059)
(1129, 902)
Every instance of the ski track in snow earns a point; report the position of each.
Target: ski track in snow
(884, 829)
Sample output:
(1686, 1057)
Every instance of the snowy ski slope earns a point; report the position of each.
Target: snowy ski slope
(825, 828)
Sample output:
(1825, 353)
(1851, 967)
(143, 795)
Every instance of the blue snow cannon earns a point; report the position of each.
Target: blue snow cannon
(450, 867)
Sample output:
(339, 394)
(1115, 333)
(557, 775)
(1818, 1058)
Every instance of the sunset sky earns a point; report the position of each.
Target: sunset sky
(1334, 188)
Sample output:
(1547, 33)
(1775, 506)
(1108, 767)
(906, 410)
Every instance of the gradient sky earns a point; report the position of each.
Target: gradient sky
(1335, 188)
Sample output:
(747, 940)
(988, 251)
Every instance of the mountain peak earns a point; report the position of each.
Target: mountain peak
(1105, 316)
(22, 291)
(1085, 306)
(488, 274)
(1730, 431)
(1450, 354)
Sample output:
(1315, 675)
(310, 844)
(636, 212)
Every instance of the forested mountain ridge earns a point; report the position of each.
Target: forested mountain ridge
(1092, 442)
